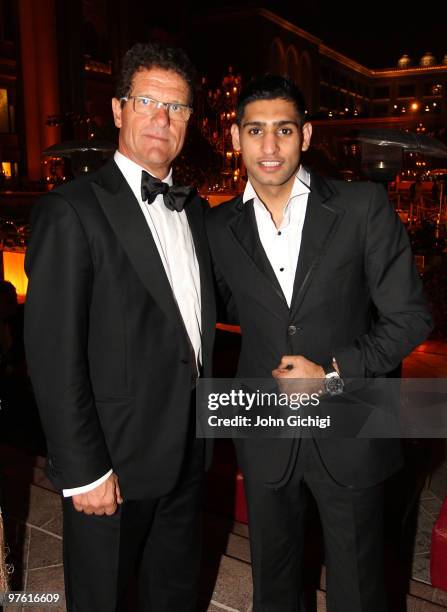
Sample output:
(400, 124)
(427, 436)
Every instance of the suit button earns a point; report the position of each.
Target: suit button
(291, 330)
(184, 360)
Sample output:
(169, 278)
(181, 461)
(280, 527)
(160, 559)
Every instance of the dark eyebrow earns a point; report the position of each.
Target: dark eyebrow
(275, 123)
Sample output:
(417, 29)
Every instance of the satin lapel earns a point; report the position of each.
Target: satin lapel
(322, 219)
(127, 220)
(244, 230)
(195, 213)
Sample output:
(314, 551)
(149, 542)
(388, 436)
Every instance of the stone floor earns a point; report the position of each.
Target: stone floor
(34, 530)
(34, 535)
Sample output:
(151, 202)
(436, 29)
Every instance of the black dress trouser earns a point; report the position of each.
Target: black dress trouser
(352, 521)
(159, 537)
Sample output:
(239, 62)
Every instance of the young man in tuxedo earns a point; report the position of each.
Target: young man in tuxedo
(320, 276)
(119, 323)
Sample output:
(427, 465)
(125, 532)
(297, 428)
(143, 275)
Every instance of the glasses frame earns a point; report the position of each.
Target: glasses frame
(158, 104)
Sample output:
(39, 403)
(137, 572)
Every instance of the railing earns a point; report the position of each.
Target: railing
(414, 211)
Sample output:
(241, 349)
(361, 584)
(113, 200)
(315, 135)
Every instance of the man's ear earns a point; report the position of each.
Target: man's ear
(307, 135)
(117, 109)
(235, 137)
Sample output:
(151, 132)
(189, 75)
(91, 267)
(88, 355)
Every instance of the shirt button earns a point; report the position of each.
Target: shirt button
(291, 330)
(279, 233)
(281, 269)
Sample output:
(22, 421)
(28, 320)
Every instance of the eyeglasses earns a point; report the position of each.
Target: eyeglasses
(143, 105)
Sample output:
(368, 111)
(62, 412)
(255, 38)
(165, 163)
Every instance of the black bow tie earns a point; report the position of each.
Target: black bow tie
(174, 197)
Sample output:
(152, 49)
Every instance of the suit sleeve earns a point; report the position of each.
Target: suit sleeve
(60, 271)
(225, 302)
(403, 320)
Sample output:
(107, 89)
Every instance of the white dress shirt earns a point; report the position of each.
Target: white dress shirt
(282, 245)
(172, 236)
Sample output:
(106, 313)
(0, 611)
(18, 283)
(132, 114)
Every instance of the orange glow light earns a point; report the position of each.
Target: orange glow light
(14, 272)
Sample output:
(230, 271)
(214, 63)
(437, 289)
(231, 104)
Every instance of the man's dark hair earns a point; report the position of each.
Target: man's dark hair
(144, 56)
(270, 87)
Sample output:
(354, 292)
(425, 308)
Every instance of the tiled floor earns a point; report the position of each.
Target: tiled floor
(34, 536)
(35, 539)
(34, 530)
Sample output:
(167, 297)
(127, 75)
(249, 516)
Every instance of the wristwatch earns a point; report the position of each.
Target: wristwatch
(333, 383)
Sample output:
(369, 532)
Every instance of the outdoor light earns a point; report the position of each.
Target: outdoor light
(14, 272)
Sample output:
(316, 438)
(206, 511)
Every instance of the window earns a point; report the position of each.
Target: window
(324, 72)
(380, 110)
(324, 96)
(9, 169)
(432, 89)
(406, 91)
(4, 112)
(277, 56)
(6, 20)
(381, 92)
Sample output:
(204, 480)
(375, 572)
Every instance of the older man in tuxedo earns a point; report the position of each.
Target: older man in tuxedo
(119, 325)
(320, 276)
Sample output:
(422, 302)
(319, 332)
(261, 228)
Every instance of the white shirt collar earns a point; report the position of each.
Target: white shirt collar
(301, 186)
(132, 173)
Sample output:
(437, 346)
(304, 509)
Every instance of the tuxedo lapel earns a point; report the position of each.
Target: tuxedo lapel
(244, 230)
(321, 221)
(127, 220)
(194, 212)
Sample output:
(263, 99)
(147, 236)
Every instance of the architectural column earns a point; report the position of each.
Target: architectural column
(37, 22)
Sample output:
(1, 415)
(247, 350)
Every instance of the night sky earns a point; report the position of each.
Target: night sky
(375, 34)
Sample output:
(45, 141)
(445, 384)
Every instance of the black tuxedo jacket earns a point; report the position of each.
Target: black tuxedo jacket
(357, 297)
(107, 350)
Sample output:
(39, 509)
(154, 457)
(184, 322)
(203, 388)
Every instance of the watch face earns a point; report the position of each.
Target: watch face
(334, 385)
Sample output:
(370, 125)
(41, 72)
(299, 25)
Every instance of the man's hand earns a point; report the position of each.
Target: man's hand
(297, 366)
(291, 372)
(104, 499)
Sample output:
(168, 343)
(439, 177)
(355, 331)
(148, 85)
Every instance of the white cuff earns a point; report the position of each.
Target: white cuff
(86, 488)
